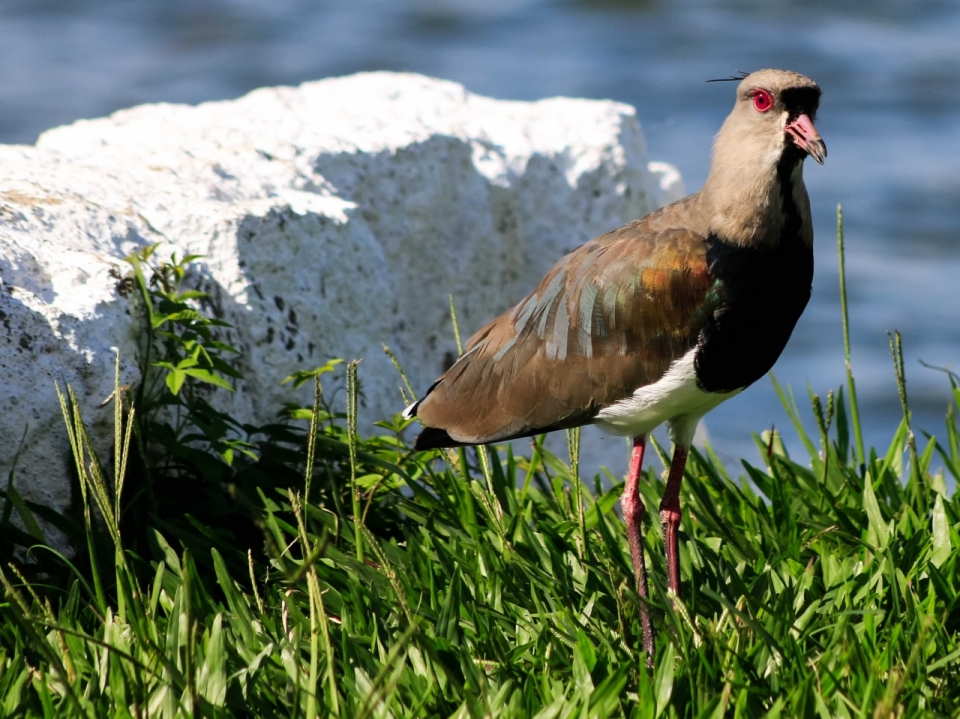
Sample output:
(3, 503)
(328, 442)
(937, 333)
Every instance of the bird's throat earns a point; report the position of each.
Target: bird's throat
(759, 207)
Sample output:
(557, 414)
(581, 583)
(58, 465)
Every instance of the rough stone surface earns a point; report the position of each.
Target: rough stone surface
(332, 218)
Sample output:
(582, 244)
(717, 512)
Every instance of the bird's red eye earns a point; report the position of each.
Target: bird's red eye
(762, 100)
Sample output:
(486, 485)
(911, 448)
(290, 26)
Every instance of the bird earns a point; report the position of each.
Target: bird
(659, 321)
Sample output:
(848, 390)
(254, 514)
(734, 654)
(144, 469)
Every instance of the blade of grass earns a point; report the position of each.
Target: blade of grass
(456, 327)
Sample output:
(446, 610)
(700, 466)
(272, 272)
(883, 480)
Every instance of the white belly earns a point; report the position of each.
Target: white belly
(674, 398)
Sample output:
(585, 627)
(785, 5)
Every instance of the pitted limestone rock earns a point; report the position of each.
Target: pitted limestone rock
(332, 218)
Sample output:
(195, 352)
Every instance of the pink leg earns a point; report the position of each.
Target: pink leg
(633, 511)
(670, 515)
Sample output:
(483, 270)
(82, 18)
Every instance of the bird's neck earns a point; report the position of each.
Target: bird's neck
(760, 204)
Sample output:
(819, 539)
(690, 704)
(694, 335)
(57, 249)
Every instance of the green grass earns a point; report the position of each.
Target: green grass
(300, 570)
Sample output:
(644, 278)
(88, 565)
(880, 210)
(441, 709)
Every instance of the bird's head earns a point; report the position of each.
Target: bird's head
(763, 143)
(773, 119)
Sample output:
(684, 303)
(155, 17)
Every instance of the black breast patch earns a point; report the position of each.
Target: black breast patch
(762, 293)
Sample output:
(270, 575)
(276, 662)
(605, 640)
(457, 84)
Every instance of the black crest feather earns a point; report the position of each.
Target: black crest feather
(736, 78)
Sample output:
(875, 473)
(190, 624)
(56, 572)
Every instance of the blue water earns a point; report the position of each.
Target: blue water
(890, 116)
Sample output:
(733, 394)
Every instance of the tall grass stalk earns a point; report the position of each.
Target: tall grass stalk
(851, 383)
(352, 401)
(312, 438)
(573, 451)
(918, 482)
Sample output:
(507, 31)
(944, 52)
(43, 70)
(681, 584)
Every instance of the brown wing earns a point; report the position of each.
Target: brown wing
(608, 318)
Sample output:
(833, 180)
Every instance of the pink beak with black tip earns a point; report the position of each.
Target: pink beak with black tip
(806, 137)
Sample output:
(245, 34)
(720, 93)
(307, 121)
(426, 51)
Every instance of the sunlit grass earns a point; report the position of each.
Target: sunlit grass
(354, 579)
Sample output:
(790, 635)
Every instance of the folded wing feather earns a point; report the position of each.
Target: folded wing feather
(609, 318)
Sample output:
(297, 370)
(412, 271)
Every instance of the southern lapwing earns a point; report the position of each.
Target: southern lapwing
(660, 320)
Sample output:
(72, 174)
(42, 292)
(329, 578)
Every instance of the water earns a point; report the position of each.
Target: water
(890, 116)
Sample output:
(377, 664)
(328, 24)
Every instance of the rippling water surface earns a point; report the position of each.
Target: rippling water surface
(890, 115)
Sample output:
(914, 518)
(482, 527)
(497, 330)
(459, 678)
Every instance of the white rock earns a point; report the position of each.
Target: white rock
(332, 218)
(669, 186)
